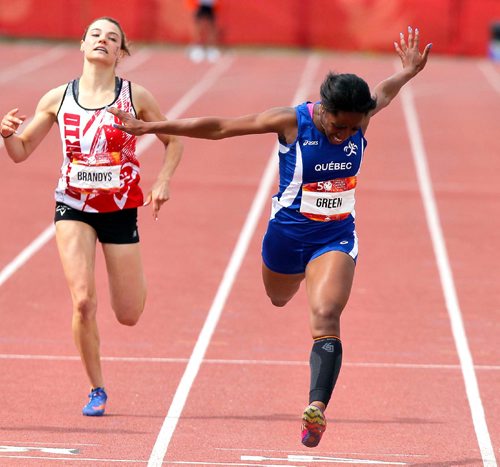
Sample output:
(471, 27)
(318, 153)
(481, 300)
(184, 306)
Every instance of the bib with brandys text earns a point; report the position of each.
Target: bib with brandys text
(94, 173)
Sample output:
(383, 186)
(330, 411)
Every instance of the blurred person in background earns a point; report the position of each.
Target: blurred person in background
(205, 31)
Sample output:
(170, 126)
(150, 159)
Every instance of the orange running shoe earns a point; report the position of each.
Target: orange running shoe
(313, 426)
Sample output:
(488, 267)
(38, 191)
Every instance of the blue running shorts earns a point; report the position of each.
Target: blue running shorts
(286, 255)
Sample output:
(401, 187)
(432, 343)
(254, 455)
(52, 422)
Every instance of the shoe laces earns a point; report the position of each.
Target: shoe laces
(97, 392)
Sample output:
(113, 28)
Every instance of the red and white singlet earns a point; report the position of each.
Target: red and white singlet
(100, 171)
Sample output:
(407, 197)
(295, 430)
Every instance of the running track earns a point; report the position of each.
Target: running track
(213, 374)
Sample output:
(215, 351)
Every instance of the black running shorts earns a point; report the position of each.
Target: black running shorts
(118, 227)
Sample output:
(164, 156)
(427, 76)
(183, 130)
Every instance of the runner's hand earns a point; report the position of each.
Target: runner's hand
(129, 123)
(409, 52)
(11, 122)
(159, 194)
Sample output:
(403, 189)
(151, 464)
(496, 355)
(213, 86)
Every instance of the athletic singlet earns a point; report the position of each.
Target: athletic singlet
(100, 172)
(317, 180)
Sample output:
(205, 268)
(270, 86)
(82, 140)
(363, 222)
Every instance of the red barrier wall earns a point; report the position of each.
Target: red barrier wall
(454, 26)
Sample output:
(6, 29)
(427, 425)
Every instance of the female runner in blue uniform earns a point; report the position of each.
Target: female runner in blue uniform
(311, 233)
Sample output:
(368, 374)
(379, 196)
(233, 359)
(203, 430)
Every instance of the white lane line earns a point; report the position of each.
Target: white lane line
(138, 461)
(202, 86)
(492, 76)
(446, 277)
(165, 435)
(317, 459)
(182, 104)
(10, 443)
(134, 61)
(27, 253)
(298, 453)
(31, 64)
(76, 459)
(217, 361)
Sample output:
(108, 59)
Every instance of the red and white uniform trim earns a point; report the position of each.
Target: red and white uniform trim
(86, 135)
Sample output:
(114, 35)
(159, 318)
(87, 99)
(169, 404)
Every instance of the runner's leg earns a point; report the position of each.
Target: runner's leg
(280, 288)
(328, 283)
(76, 242)
(127, 283)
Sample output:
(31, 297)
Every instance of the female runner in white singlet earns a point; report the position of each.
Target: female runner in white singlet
(98, 191)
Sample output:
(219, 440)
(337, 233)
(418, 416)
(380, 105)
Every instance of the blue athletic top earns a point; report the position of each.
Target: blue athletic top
(317, 181)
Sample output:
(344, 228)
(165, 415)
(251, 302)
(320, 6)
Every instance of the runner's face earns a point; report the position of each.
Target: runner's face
(102, 42)
(340, 126)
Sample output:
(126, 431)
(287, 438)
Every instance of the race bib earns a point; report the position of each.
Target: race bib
(330, 200)
(95, 173)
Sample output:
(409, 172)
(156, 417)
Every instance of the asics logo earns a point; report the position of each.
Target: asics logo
(310, 143)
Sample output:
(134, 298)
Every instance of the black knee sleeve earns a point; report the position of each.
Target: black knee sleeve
(325, 363)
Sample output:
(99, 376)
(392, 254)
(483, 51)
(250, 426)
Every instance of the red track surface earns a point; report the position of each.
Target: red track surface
(401, 396)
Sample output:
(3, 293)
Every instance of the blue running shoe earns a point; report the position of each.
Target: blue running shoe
(96, 404)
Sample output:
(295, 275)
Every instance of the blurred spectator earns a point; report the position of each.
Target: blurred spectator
(495, 41)
(205, 31)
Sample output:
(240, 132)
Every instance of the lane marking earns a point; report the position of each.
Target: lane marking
(322, 459)
(261, 199)
(30, 65)
(182, 104)
(191, 96)
(446, 277)
(491, 74)
(20, 443)
(27, 253)
(219, 361)
(62, 451)
(137, 461)
(33, 63)
(135, 61)
(299, 453)
(76, 459)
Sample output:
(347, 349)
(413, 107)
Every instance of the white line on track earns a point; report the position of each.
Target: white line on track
(28, 66)
(217, 361)
(182, 104)
(208, 80)
(76, 459)
(492, 76)
(319, 453)
(3, 443)
(137, 461)
(167, 430)
(27, 253)
(446, 277)
(324, 460)
(134, 61)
